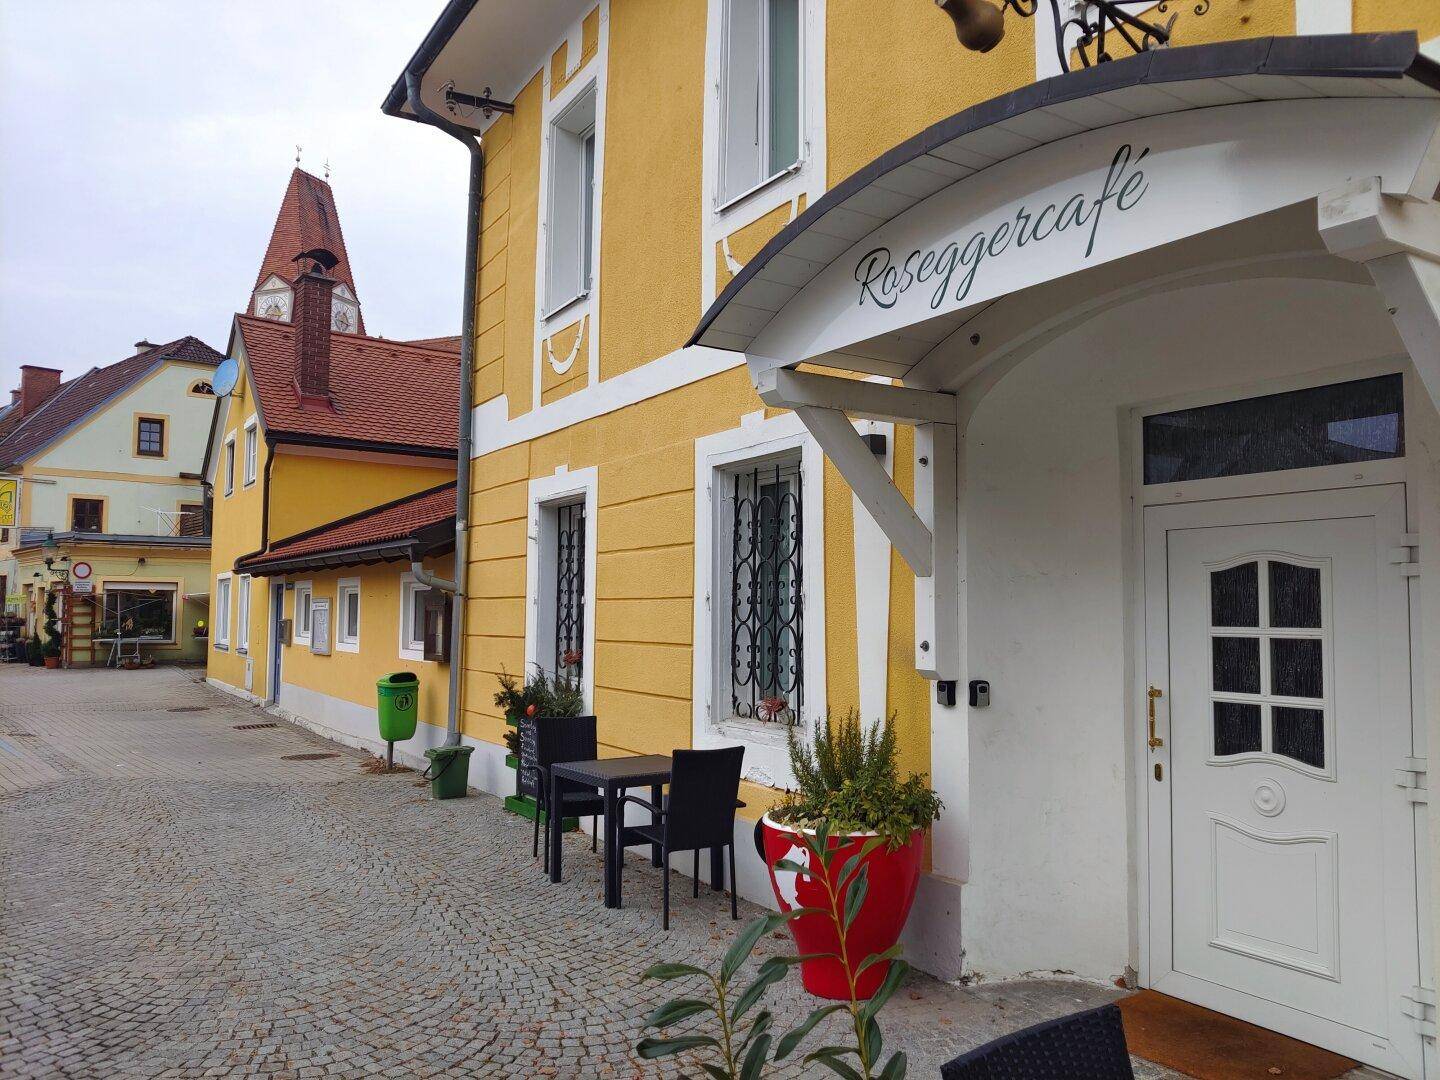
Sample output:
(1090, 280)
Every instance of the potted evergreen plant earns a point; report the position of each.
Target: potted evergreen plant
(850, 799)
(54, 639)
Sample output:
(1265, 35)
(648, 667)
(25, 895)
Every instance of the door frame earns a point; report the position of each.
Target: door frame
(274, 654)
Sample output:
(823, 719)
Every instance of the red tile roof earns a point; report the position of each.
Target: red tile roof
(81, 396)
(307, 219)
(385, 392)
(449, 344)
(393, 522)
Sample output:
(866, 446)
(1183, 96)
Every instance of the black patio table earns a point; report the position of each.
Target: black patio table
(614, 776)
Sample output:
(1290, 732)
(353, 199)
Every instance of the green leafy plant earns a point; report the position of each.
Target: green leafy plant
(54, 639)
(849, 781)
(845, 895)
(538, 696)
(743, 1052)
(34, 651)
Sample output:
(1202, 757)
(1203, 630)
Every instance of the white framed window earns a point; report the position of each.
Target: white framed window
(304, 612)
(559, 576)
(570, 205)
(220, 621)
(242, 614)
(759, 573)
(229, 465)
(761, 117)
(412, 617)
(347, 615)
(252, 453)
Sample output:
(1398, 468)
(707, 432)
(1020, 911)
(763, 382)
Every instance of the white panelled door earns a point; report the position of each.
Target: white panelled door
(1282, 850)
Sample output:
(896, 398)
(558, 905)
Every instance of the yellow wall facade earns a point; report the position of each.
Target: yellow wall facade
(351, 676)
(891, 68)
(303, 490)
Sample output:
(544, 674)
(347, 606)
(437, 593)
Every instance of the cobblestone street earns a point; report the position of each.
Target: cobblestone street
(184, 896)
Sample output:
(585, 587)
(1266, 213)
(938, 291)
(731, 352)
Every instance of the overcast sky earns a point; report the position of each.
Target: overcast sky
(145, 146)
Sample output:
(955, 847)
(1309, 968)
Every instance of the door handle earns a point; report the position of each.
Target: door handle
(1154, 692)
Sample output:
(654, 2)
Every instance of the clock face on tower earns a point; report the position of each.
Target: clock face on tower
(341, 319)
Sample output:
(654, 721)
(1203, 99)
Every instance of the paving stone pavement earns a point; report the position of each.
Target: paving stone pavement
(182, 898)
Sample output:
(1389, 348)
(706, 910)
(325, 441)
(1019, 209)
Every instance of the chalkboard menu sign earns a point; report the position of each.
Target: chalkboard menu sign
(528, 781)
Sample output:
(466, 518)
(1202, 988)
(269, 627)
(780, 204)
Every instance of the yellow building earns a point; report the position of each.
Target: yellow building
(318, 433)
(849, 368)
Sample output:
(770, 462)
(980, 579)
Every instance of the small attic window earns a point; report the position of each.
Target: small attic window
(201, 388)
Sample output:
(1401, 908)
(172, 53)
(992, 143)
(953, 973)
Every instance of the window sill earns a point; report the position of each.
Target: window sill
(220, 646)
(417, 655)
(347, 646)
(760, 732)
(560, 309)
(723, 208)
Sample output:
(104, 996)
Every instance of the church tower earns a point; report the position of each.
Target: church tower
(307, 220)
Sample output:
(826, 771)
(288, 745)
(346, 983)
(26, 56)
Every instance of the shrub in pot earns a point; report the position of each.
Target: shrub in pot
(34, 651)
(54, 638)
(851, 800)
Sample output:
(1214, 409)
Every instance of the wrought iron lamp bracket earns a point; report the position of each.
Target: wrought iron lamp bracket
(1089, 26)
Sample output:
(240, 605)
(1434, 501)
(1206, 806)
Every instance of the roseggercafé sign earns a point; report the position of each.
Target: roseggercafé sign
(950, 270)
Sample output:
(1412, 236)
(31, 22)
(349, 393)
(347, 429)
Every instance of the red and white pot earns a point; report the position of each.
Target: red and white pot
(893, 878)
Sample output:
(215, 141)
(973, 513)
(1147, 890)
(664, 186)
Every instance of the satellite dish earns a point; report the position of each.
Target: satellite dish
(227, 374)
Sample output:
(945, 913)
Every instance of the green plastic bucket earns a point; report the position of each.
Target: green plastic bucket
(449, 771)
(399, 705)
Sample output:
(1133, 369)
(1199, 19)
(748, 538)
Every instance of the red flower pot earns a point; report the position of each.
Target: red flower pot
(893, 879)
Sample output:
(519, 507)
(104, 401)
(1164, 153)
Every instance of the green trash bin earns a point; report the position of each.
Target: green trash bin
(399, 694)
(449, 771)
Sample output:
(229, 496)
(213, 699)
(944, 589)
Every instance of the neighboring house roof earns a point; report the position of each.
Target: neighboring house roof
(388, 395)
(307, 220)
(81, 397)
(408, 527)
(448, 344)
(31, 537)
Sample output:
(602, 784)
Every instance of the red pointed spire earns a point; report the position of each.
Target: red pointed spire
(307, 219)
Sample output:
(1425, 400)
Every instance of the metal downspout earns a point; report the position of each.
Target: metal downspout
(464, 439)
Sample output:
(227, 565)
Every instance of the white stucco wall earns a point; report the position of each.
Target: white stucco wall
(103, 451)
(1048, 522)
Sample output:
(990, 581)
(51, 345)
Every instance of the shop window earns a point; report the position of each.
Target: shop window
(347, 619)
(570, 219)
(412, 618)
(1325, 425)
(252, 439)
(143, 611)
(220, 624)
(304, 610)
(230, 465)
(87, 515)
(764, 536)
(150, 436)
(242, 614)
(759, 94)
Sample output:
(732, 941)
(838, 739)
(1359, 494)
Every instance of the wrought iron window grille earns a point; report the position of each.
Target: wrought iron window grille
(570, 590)
(766, 640)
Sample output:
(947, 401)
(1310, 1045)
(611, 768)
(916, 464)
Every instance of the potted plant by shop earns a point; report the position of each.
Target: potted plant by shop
(539, 695)
(851, 800)
(53, 640)
(34, 651)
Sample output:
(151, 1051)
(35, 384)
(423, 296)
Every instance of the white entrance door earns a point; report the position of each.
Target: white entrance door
(1282, 849)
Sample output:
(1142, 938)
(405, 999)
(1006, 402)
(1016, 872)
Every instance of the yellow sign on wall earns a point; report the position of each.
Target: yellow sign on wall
(9, 502)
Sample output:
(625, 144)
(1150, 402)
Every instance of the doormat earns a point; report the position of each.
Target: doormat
(1212, 1046)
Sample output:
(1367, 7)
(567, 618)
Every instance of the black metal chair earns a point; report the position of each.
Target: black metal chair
(559, 739)
(698, 812)
(1088, 1044)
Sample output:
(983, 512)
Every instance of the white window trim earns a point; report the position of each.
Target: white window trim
(227, 463)
(343, 586)
(585, 308)
(220, 624)
(241, 600)
(806, 177)
(298, 636)
(411, 646)
(251, 464)
(767, 759)
(547, 492)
